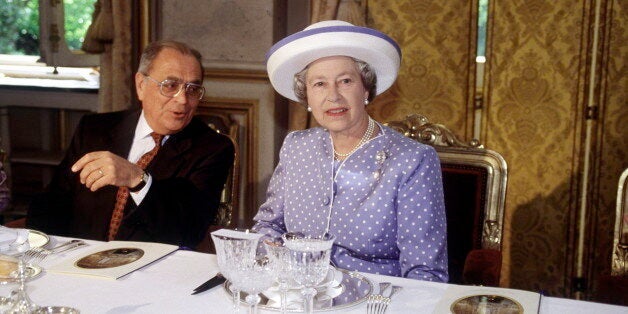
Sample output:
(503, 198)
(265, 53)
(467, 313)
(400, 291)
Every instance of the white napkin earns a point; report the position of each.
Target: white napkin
(15, 240)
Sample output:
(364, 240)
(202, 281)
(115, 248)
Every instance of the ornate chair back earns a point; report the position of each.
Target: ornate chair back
(228, 209)
(619, 262)
(613, 288)
(474, 183)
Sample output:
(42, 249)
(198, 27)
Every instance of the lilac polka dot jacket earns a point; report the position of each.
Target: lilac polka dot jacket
(384, 203)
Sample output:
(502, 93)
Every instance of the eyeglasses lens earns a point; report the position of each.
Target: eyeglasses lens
(170, 88)
(195, 91)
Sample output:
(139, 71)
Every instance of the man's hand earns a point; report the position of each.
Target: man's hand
(98, 169)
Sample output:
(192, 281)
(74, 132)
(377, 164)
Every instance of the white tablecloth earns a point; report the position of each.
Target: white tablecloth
(166, 285)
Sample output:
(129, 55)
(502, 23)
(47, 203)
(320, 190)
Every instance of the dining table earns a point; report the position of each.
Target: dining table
(166, 285)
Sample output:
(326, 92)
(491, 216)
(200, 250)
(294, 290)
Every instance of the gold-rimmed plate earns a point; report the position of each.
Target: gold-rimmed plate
(37, 238)
(484, 303)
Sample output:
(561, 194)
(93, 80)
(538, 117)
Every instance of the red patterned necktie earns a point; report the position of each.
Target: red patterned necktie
(123, 191)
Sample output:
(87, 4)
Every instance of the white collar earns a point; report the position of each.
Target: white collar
(142, 130)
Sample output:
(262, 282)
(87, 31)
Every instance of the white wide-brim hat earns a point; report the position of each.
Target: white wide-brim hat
(332, 38)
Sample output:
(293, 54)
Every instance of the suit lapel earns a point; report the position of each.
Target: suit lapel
(174, 148)
(121, 135)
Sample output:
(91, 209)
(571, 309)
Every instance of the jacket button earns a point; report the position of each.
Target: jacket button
(326, 200)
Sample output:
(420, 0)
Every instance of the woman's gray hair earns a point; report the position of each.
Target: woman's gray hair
(153, 49)
(369, 80)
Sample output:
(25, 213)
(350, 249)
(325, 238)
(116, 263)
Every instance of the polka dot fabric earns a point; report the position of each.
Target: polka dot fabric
(385, 204)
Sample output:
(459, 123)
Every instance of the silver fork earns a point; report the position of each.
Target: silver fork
(38, 255)
(373, 301)
(383, 305)
(30, 253)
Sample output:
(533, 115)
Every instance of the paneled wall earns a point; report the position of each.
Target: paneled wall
(611, 134)
(233, 37)
(537, 77)
(555, 106)
(437, 74)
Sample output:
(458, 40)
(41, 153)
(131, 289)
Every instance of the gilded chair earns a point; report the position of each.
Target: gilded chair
(474, 184)
(228, 208)
(5, 192)
(614, 288)
(619, 262)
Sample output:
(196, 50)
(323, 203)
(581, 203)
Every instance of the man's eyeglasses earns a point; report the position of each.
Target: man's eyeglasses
(172, 88)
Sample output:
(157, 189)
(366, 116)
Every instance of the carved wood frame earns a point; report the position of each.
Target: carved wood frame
(453, 151)
(619, 259)
(244, 112)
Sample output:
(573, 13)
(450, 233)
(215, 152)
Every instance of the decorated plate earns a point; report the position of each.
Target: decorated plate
(486, 304)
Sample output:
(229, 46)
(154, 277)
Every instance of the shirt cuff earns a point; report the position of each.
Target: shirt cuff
(139, 195)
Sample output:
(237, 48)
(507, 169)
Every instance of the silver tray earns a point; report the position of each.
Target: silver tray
(351, 290)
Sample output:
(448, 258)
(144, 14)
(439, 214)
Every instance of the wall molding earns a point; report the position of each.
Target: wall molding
(212, 73)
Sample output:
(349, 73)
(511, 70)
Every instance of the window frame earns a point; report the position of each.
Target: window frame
(53, 48)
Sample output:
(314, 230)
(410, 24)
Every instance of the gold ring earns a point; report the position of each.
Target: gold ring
(101, 173)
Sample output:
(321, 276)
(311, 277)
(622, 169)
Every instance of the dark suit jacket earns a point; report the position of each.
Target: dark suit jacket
(188, 174)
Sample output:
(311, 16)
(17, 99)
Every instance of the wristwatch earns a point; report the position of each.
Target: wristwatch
(140, 185)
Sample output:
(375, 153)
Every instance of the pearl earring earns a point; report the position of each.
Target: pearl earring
(309, 109)
(366, 101)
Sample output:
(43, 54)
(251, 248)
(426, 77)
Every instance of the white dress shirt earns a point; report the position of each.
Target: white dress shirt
(142, 143)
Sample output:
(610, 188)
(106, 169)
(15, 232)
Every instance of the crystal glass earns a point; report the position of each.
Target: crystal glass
(309, 260)
(253, 276)
(21, 301)
(279, 255)
(16, 272)
(231, 247)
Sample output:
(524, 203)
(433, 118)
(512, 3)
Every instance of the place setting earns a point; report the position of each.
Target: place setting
(291, 273)
(21, 254)
(459, 299)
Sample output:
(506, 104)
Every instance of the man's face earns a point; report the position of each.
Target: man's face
(168, 115)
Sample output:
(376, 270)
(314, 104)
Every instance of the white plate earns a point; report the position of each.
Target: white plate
(37, 238)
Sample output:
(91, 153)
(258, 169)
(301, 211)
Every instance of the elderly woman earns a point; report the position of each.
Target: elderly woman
(377, 191)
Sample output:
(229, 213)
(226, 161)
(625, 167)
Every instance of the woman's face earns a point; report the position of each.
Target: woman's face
(336, 94)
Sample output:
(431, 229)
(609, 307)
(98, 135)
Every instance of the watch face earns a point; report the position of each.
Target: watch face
(140, 185)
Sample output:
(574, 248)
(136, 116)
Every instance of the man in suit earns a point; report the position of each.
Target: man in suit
(154, 174)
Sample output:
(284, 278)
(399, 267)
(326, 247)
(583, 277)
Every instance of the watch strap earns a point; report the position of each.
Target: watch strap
(140, 185)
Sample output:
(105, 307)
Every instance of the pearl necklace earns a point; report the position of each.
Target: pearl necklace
(367, 136)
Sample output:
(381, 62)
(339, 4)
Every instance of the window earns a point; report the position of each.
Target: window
(19, 20)
(482, 23)
(60, 33)
(39, 43)
(480, 59)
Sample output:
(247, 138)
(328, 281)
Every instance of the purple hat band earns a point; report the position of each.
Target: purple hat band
(332, 29)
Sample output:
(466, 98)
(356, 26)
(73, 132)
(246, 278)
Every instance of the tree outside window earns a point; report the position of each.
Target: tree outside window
(19, 20)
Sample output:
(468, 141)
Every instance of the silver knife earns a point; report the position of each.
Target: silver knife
(214, 281)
